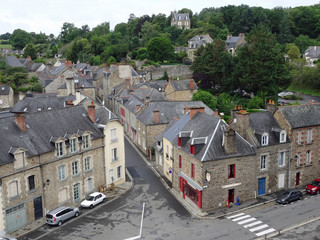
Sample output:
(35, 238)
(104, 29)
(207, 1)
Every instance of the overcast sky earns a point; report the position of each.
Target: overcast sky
(48, 16)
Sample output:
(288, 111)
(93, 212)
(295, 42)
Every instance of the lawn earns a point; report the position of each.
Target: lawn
(306, 90)
(9, 46)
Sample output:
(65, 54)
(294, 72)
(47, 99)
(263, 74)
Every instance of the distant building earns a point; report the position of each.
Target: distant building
(196, 42)
(312, 54)
(232, 43)
(182, 20)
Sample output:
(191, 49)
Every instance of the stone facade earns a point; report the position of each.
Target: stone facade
(181, 20)
(6, 97)
(60, 80)
(173, 94)
(177, 71)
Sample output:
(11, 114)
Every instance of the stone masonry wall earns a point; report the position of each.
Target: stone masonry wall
(176, 71)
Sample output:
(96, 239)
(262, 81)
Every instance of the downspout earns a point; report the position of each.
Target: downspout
(43, 185)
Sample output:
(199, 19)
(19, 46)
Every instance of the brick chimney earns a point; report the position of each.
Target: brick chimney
(194, 110)
(156, 116)
(271, 107)
(92, 112)
(138, 107)
(191, 84)
(70, 86)
(230, 141)
(241, 122)
(147, 100)
(20, 119)
(69, 103)
(216, 113)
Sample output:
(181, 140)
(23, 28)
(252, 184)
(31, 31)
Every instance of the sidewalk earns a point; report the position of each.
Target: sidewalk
(111, 196)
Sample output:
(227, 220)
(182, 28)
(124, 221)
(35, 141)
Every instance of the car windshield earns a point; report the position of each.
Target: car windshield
(314, 183)
(90, 198)
(285, 193)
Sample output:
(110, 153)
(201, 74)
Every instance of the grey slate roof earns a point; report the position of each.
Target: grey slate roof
(199, 40)
(132, 103)
(82, 83)
(41, 101)
(13, 61)
(313, 52)
(57, 70)
(104, 115)
(41, 127)
(152, 93)
(264, 122)
(4, 89)
(212, 130)
(232, 42)
(168, 110)
(181, 16)
(182, 85)
(172, 131)
(302, 115)
(158, 84)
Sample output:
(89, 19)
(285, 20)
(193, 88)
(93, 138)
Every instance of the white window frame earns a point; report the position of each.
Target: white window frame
(75, 168)
(282, 159)
(59, 147)
(87, 163)
(119, 172)
(264, 139)
(62, 172)
(263, 162)
(298, 159)
(85, 141)
(309, 135)
(73, 146)
(308, 157)
(113, 135)
(111, 176)
(283, 136)
(114, 154)
(281, 179)
(299, 137)
(76, 192)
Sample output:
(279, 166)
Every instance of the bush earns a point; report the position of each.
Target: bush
(256, 102)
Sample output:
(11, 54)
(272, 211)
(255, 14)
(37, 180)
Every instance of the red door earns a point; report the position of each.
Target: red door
(231, 195)
(297, 178)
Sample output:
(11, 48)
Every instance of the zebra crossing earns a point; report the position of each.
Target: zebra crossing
(252, 224)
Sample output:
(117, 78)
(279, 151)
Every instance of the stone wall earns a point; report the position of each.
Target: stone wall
(173, 71)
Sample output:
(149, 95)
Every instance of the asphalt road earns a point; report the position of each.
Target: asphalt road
(165, 218)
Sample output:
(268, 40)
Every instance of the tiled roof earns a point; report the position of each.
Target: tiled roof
(13, 61)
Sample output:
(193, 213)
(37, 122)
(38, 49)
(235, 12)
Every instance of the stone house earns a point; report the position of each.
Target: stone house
(302, 123)
(181, 20)
(180, 90)
(232, 43)
(196, 42)
(52, 158)
(312, 54)
(6, 97)
(212, 163)
(272, 146)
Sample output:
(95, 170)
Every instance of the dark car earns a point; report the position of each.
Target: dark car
(289, 196)
(314, 187)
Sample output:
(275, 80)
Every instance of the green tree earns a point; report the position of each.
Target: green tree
(160, 49)
(69, 32)
(30, 50)
(141, 54)
(19, 39)
(160, 20)
(256, 102)
(101, 29)
(224, 104)
(293, 51)
(149, 31)
(111, 60)
(206, 97)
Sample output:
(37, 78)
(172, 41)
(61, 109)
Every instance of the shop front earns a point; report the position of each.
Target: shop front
(190, 189)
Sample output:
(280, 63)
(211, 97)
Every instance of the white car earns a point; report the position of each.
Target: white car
(93, 199)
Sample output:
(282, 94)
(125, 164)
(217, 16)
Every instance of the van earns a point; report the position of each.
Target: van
(61, 214)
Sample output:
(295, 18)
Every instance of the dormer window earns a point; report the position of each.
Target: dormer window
(179, 141)
(85, 141)
(283, 136)
(192, 149)
(59, 148)
(73, 145)
(264, 139)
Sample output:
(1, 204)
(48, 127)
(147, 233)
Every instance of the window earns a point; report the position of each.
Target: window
(123, 112)
(89, 184)
(111, 177)
(19, 160)
(167, 151)
(264, 140)
(281, 180)
(180, 161)
(76, 192)
(62, 172)
(283, 136)
(85, 140)
(73, 145)
(75, 169)
(299, 137)
(192, 149)
(59, 147)
(263, 162)
(119, 172)
(232, 171)
(171, 153)
(31, 182)
(298, 159)
(281, 159)
(114, 154)
(309, 136)
(87, 163)
(192, 170)
(308, 157)
(113, 133)
(179, 141)
(13, 189)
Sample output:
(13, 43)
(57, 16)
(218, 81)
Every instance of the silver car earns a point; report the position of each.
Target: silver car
(61, 214)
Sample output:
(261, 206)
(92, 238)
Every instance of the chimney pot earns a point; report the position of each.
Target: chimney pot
(191, 84)
(194, 110)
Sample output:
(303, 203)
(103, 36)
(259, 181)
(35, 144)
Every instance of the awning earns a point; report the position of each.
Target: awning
(190, 181)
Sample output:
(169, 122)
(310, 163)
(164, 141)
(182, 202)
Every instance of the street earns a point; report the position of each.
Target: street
(166, 218)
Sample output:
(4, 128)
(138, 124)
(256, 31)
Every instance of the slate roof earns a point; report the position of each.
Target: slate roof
(41, 101)
(302, 115)
(13, 61)
(41, 127)
(168, 110)
(199, 40)
(232, 42)
(4, 89)
(264, 122)
(182, 85)
(182, 16)
(158, 84)
(211, 129)
(132, 103)
(313, 52)
(57, 70)
(172, 131)
(82, 83)
(104, 115)
(152, 93)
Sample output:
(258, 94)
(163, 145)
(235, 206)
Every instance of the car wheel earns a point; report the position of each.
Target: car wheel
(286, 202)
(77, 214)
(60, 223)
(91, 206)
(104, 200)
(300, 197)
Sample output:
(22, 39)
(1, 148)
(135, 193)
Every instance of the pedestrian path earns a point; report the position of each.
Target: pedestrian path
(252, 224)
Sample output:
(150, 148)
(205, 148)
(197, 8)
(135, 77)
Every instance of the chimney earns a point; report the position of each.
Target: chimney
(92, 112)
(147, 100)
(65, 63)
(191, 84)
(230, 141)
(241, 37)
(229, 36)
(69, 103)
(271, 107)
(138, 107)
(194, 110)
(156, 116)
(127, 83)
(216, 113)
(20, 119)
(241, 122)
(70, 86)
(29, 58)
(70, 64)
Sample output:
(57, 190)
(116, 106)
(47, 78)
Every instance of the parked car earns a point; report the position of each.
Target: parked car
(7, 238)
(289, 196)
(61, 214)
(93, 199)
(314, 187)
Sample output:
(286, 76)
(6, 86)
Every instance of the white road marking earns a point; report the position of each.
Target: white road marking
(234, 216)
(246, 221)
(270, 230)
(258, 228)
(252, 224)
(240, 218)
(139, 236)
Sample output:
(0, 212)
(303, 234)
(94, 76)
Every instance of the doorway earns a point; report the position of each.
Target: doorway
(231, 195)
